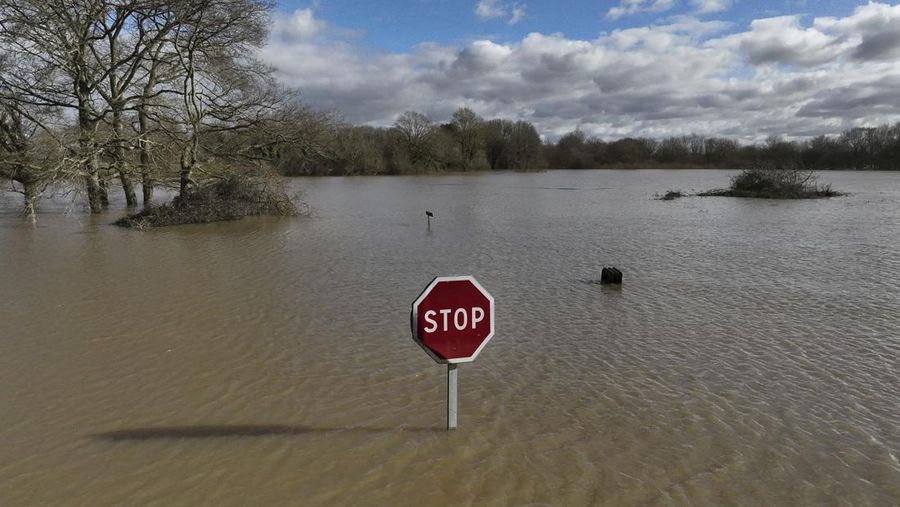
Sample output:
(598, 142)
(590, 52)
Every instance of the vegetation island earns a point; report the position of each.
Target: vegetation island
(767, 181)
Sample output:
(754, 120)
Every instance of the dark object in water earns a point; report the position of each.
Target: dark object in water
(671, 195)
(610, 276)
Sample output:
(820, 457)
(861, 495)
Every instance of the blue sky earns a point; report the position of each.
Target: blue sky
(399, 25)
(738, 68)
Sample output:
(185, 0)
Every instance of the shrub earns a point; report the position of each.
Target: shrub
(775, 182)
(230, 198)
(671, 195)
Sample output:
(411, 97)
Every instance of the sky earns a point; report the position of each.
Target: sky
(736, 68)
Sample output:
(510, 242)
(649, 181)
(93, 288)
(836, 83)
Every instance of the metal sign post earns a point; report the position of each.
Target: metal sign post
(452, 375)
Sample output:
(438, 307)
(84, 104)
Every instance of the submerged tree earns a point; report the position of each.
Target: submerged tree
(130, 55)
(132, 73)
(223, 86)
(51, 46)
(25, 160)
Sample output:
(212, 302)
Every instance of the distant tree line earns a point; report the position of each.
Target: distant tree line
(859, 148)
(417, 144)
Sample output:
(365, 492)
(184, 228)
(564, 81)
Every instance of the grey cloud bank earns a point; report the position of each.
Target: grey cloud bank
(778, 76)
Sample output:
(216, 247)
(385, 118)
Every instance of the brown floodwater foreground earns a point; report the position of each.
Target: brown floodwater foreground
(751, 357)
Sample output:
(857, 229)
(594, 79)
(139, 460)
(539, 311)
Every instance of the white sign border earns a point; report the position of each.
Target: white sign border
(414, 317)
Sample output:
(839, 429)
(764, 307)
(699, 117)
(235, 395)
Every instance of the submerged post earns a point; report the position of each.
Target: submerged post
(452, 374)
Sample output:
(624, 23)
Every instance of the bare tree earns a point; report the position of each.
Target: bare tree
(415, 131)
(24, 160)
(51, 43)
(223, 86)
(135, 32)
(106, 59)
(154, 67)
(468, 130)
(512, 145)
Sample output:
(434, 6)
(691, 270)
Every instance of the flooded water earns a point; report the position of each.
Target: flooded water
(751, 357)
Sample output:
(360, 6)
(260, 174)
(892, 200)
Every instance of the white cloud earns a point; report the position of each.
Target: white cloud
(628, 7)
(708, 6)
(779, 75)
(783, 40)
(490, 9)
(874, 29)
(301, 24)
(517, 14)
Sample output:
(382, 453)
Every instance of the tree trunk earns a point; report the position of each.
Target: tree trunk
(187, 166)
(185, 180)
(144, 145)
(117, 104)
(86, 144)
(95, 200)
(127, 186)
(147, 188)
(96, 194)
(188, 163)
(195, 118)
(104, 189)
(31, 196)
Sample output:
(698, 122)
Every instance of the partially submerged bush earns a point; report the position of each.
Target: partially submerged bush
(775, 182)
(230, 198)
(671, 195)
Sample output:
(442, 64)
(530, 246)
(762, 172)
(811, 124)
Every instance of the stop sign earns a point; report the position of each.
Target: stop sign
(453, 319)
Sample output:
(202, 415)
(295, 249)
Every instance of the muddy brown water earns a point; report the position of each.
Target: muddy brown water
(752, 356)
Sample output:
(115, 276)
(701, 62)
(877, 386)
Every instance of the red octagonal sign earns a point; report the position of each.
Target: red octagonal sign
(453, 319)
